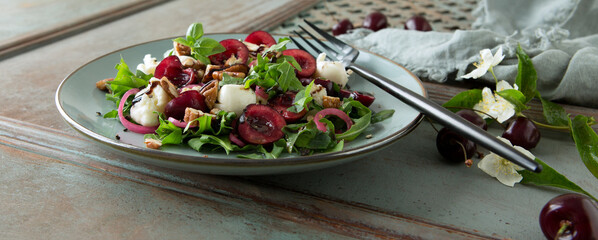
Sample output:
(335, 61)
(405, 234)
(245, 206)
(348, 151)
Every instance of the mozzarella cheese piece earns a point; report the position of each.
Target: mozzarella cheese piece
(144, 111)
(149, 64)
(234, 98)
(317, 93)
(333, 71)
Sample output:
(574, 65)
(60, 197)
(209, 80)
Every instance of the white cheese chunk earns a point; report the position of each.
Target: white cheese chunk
(144, 111)
(149, 64)
(234, 98)
(317, 93)
(333, 71)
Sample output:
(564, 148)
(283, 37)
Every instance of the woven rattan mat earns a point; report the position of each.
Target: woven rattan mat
(443, 15)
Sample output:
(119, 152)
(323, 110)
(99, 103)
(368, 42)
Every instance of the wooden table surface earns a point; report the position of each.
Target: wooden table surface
(58, 184)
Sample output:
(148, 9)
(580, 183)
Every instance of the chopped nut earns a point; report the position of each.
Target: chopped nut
(102, 84)
(181, 49)
(210, 92)
(192, 114)
(331, 102)
(189, 62)
(218, 75)
(233, 61)
(369, 136)
(251, 46)
(169, 88)
(208, 73)
(152, 143)
(215, 111)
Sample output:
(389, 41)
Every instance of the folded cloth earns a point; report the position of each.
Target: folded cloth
(560, 36)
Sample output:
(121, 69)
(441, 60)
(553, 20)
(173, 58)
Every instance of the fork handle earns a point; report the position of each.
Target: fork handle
(447, 118)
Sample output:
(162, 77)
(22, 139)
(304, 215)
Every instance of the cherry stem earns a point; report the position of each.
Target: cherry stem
(432, 124)
(564, 225)
(464, 151)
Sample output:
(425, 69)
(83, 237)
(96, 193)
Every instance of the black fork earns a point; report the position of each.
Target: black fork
(340, 51)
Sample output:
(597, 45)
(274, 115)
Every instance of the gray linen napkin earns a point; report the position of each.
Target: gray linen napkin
(561, 37)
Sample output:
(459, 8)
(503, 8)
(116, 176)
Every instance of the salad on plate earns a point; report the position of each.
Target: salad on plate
(252, 96)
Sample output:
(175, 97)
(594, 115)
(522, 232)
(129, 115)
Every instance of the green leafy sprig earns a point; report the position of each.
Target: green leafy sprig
(586, 139)
(201, 47)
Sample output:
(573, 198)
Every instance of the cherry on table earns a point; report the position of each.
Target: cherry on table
(575, 214)
(418, 23)
(473, 117)
(375, 21)
(522, 132)
(342, 27)
(454, 147)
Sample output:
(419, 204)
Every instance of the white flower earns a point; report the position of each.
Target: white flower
(495, 105)
(502, 169)
(487, 61)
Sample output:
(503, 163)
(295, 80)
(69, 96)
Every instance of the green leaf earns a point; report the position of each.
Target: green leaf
(211, 143)
(515, 97)
(288, 80)
(382, 115)
(124, 81)
(550, 177)
(227, 79)
(586, 142)
(195, 31)
(355, 109)
(291, 60)
(465, 99)
(302, 99)
(526, 75)
(183, 41)
(169, 133)
(358, 127)
(553, 113)
(279, 47)
(207, 46)
(111, 114)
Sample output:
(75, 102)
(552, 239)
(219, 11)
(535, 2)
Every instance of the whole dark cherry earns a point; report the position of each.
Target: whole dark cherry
(570, 216)
(375, 21)
(522, 132)
(342, 27)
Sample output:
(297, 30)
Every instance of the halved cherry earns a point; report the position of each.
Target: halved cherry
(172, 68)
(260, 124)
(233, 47)
(305, 60)
(282, 102)
(176, 107)
(260, 37)
(364, 98)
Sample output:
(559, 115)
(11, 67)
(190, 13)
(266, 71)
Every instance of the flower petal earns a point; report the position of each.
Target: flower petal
(489, 164)
(502, 85)
(476, 73)
(510, 179)
(498, 57)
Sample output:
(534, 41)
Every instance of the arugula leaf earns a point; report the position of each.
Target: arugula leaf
(465, 99)
(277, 148)
(553, 113)
(212, 143)
(168, 132)
(302, 99)
(227, 79)
(289, 59)
(111, 114)
(515, 97)
(358, 127)
(382, 115)
(279, 47)
(586, 142)
(550, 177)
(355, 109)
(526, 75)
(288, 80)
(124, 81)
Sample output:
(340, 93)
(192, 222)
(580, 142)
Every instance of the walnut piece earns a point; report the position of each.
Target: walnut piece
(181, 49)
(169, 88)
(152, 143)
(102, 84)
(210, 92)
(331, 102)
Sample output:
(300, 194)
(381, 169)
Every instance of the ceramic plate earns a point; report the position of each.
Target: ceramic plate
(79, 101)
